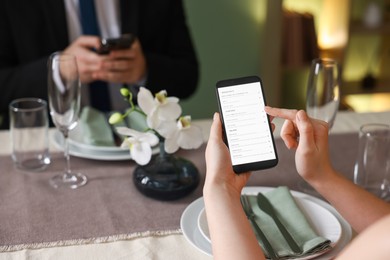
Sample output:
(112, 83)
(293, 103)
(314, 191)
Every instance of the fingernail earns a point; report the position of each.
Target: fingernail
(215, 117)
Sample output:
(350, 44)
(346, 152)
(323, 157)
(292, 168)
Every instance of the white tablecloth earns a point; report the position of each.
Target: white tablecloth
(174, 246)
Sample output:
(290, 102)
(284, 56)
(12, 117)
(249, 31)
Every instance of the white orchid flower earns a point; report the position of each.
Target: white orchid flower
(139, 143)
(186, 136)
(158, 109)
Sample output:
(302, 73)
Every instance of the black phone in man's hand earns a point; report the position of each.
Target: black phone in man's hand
(123, 42)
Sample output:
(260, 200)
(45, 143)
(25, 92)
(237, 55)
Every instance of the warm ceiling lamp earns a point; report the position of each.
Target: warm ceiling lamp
(333, 28)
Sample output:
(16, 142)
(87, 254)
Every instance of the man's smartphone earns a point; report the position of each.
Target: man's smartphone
(246, 127)
(123, 42)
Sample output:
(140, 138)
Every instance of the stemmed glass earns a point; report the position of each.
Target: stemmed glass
(64, 100)
(323, 96)
(323, 90)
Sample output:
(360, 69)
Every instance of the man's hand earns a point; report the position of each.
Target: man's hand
(123, 66)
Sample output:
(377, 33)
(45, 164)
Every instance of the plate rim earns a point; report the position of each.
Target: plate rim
(117, 155)
(196, 206)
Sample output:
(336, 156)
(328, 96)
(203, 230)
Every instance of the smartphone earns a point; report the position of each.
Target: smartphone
(246, 126)
(123, 42)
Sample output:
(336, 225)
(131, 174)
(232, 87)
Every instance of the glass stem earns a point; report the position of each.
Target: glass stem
(67, 173)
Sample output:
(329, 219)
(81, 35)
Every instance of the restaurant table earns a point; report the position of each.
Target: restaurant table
(109, 219)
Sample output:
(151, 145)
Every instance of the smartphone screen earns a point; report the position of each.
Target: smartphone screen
(247, 129)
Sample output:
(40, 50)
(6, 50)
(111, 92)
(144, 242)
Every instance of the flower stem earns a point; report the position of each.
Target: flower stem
(162, 154)
(132, 108)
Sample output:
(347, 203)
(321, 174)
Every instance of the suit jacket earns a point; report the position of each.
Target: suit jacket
(31, 30)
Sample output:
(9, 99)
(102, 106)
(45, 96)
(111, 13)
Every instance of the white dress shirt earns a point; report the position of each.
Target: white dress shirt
(108, 15)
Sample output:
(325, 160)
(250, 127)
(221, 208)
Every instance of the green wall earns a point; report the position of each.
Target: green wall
(227, 35)
(357, 62)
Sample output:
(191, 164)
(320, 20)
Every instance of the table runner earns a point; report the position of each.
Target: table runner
(109, 208)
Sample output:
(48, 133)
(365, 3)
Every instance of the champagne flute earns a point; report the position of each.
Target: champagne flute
(323, 90)
(64, 100)
(322, 97)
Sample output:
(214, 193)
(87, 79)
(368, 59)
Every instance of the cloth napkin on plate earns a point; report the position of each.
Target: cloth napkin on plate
(294, 220)
(137, 121)
(93, 129)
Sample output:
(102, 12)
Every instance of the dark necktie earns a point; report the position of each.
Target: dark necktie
(98, 90)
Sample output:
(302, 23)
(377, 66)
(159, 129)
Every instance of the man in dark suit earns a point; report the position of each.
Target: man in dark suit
(163, 56)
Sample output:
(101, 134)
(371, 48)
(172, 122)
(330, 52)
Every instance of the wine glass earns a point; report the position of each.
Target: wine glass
(323, 90)
(322, 96)
(64, 100)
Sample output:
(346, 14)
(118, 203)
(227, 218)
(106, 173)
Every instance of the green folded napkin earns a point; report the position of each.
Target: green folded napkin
(136, 121)
(295, 222)
(93, 129)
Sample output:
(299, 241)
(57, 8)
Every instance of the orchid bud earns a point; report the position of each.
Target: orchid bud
(125, 92)
(115, 118)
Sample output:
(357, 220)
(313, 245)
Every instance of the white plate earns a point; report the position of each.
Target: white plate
(340, 238)
(96, 153)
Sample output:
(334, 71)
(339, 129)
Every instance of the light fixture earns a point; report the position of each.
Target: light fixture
(333, 28)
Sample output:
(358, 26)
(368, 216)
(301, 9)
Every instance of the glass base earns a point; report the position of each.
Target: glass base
(34, 165)
(69, 181)
(166, 178)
